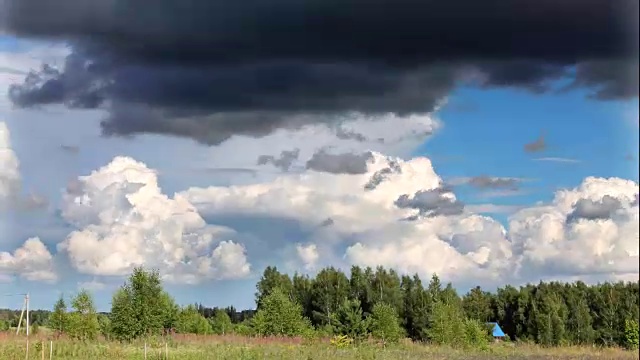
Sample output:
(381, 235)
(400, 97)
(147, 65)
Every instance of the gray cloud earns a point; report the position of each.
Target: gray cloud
(536, 146)
(434, 202)
(595, 210)
(345, 163)
(210, 70)
(283, 162)
(327, 222)
(346, 134)
(383, 174)
(486, 182)
(72, 149)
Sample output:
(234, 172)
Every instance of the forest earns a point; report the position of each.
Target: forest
(367, 302)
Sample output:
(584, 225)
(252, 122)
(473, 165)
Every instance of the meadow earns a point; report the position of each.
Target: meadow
(201, 347)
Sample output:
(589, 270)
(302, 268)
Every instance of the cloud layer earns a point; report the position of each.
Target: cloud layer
(366, 224)
(391, 212)
(212, 70)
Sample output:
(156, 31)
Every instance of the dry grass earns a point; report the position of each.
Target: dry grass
(231, 347)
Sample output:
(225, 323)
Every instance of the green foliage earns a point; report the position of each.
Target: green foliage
(221, 322)
(477, 305)
(4, 325)
(548, 313)
(349, 320)
(446, 325)
(385, 324)
(341, 341)
(244, 328)
(83, 320)
(189, 321)
(141, 307)
(58, 318)
(104, 323)
(476, 334)
(278, 315)
(631, 334)
(272, 279)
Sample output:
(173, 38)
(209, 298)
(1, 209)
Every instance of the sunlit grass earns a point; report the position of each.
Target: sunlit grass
(193, 347)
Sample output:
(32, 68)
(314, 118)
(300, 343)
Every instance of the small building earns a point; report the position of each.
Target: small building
(496, 331)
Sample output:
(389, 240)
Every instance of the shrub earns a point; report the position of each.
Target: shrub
(631, 334)
(385, 324)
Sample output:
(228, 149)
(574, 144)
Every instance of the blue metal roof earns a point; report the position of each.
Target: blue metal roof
(496, 330)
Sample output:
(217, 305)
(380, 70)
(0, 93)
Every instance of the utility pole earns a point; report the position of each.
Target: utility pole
(25, 308)
(26, 299)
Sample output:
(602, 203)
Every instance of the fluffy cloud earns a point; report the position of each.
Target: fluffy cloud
(589, 230)
(31, 261)
(9, 166)
(366, 224)
(352, 221)
(124, 221)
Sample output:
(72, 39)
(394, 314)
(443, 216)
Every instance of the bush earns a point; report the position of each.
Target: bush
(189, 321)
(476, 334)
(221, 322)
(385, 324)
(631, 334)
(278, 315)
(4, 325)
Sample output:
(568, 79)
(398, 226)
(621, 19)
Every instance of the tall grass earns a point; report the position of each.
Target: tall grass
(231, 347)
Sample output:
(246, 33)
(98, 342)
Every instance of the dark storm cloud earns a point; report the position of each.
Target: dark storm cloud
(595, 210)
(434, 202)
(212, 69)
(346, 163)
(283, 162)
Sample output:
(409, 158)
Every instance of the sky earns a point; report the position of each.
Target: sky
(489, 164)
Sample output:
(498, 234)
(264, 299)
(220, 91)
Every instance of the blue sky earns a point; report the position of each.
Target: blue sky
(484, 132)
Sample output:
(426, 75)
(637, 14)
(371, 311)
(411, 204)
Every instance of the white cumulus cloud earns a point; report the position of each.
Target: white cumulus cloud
(31, 261)
(398, 214)
(124, 220)
(9, 166)
(589, 230)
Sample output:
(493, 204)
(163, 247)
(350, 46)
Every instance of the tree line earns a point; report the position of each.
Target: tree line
(368, 302)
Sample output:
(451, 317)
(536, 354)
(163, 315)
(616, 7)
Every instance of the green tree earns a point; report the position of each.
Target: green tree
(385, 324)
(189, 321)
(141, 307)
(330, 288)
(278, 315)
(446, 324)
(477, 305)
(416, 309)
(83, 321)
(221, 322)
(58, 318)
(272, 279)
(349, 320)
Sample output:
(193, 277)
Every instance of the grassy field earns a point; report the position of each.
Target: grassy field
(244, 348)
